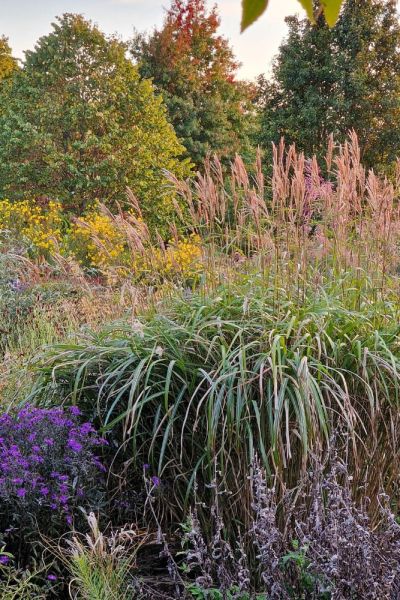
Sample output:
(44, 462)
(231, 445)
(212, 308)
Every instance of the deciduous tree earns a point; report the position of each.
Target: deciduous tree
(194, 69)
(78, 123)
(8, 64)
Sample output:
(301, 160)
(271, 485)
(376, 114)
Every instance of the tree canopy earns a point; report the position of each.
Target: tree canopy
(333, 80)
(8, 64)
(78, 123)
(194, 69)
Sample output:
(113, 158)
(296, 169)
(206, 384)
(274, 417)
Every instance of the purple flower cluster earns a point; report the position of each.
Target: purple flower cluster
(47, 459)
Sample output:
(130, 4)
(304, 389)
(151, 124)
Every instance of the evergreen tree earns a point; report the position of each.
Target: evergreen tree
(78, 124)
(368, 36)
(194, 69)
(333, 80)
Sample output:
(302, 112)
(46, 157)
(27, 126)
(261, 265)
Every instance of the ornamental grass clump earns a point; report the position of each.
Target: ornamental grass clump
(49, 465)
(102, 564)
(207, 382)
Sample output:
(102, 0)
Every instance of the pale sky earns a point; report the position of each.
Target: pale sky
(24, 21)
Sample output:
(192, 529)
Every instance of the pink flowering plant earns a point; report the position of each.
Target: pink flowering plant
(49, 464)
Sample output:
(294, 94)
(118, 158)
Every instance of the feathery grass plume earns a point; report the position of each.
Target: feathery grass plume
(102, 566)
(345, 219)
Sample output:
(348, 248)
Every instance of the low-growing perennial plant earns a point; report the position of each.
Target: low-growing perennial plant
(48, 463)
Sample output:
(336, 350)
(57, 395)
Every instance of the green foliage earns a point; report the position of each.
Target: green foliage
(199, 593)
(26, 311)
(331, 9)
(22, 584)
(97, 580)
(249, 369)
(253, 9)
(297, 558)
(78, 123)
(194, 69)
(334, 80)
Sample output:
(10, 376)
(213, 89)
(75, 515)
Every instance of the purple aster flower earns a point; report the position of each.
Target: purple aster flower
(146, 466)
(42, 478)
(15, 451)
(52, 577)
(74, 445)
(86, 428)
(156, 480)
(17, 285)
(4, 560)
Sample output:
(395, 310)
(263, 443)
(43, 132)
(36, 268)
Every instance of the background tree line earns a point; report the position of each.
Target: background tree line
(86, 115)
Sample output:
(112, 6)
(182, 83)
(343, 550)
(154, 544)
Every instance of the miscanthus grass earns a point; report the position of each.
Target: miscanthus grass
(209, 380)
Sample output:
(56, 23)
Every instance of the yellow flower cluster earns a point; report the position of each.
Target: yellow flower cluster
(39, 224)
(101, 241)
(181, 259)
(98, 240)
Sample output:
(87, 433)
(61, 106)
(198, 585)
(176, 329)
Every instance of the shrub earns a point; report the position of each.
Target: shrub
(327, 549)
(97, 241)
(122, 248)
(48, 466)
(24, 304)
(119, 246)
(38, 224)
(179, 261)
